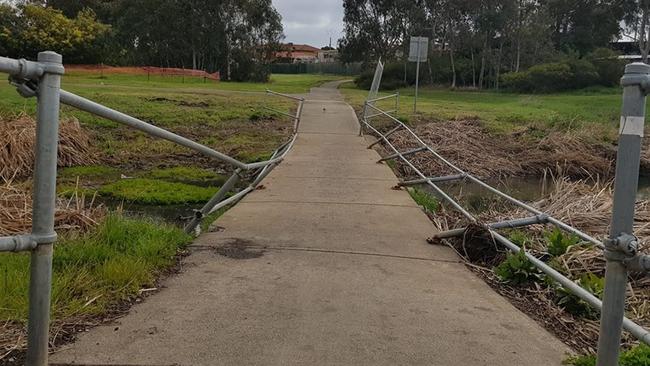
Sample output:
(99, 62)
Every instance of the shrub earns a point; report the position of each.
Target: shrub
(516, 269)
(609, 67)
(558, 242)
(577, 306)
(571, 73)
(392, 78)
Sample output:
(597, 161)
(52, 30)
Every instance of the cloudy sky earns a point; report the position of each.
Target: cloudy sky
(311, 21)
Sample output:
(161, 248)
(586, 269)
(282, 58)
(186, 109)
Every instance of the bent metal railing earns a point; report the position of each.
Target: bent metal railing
(620, 249)
(42, 79)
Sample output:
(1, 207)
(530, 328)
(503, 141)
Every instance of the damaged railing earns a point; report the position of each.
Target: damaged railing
(42, 79)
(621, 247)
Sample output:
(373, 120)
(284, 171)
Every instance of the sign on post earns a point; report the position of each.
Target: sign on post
(418, 51)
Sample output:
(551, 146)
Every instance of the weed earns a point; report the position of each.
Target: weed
(94, 271)
(92, 172)
(558, 242)
(574, 304)
(520, 238)
(425, 200)
(149, 191)
(516, 269)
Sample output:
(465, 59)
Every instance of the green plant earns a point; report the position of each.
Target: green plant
(519, 238)
(559, 242)
(425, 200)
(516, 269)
(150, 191)
(577, 306)
(188, 174)
(636, 356)
(94, 271)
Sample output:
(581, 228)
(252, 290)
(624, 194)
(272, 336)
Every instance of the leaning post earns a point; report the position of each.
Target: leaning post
(621, 247)
(44, 199)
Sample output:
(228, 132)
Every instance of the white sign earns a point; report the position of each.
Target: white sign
(418, 49)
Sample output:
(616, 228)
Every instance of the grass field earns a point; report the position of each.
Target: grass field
(506, 112)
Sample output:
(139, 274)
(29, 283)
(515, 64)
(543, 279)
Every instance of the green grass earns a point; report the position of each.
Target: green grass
(187, 174)
(504, 112)
(93, 272)
(93, 173)
(637, 356)
(159, 192)
(424, 199)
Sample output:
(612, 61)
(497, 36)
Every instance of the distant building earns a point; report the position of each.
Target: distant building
(303, 53)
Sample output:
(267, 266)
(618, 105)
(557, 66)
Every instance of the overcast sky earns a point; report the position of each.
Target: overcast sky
(311, 21)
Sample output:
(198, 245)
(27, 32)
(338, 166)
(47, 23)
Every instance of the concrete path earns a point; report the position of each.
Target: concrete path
(339, 274)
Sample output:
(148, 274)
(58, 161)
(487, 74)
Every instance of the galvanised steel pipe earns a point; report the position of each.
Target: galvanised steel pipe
(392, 131)
(232, 199)
(636, 330)
(17, 243)
(405, 153)
(284, 95)
(634, 81)
(113, 115)
(511, 199)
(508, 224)
(218, 197)
(44, 200)
(442, 193)
(382, 98)
(279, 112)
(22, 68)
(444, 178)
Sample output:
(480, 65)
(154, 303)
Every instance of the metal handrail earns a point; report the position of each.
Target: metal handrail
(43, 79)
(636, 330)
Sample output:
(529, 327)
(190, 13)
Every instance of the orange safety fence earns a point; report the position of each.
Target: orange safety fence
(144, 70)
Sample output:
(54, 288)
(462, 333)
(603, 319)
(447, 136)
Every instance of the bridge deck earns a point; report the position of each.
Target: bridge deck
(344, 277)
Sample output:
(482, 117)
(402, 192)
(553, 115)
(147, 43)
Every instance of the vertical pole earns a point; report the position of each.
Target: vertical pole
(625, 189)
(40, 285)
(417, 78)
(363, 118)
(397, 104)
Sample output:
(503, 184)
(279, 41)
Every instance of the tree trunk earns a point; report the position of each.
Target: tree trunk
(473, 68)
(453, 67)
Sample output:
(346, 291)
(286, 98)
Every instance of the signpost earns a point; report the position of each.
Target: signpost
(418, 50)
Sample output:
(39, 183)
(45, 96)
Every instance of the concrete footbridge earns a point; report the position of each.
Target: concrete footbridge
(323, 264)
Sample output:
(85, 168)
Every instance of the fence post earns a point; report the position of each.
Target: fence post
(621, 245)
(363, 118)
(44, 200)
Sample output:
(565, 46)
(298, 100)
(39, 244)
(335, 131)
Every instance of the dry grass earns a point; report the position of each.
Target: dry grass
(74, 213)
(18, 137)
(468, 145)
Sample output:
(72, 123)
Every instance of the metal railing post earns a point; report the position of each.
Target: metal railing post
(218, 197)
(363, 118)
(40, 285)
(621, 245)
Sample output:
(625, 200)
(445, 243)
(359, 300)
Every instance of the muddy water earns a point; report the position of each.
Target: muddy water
(477, 199)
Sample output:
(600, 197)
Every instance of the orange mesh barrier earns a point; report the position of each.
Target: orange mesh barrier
(144, 70)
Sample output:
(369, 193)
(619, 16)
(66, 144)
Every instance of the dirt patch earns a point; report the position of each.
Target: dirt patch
(467, 144)
(240, 249)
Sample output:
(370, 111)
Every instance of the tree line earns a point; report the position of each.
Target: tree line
(235, 37)
(475, 42)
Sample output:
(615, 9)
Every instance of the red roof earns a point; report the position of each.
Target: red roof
(299, 47)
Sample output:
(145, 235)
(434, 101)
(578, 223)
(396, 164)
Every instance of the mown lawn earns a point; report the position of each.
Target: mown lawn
(505, 112)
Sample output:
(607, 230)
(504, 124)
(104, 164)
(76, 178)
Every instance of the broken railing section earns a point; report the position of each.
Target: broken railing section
(42, 79)
(621, 247)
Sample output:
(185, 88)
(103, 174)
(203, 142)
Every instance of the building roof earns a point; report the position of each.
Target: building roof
(299, 47)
